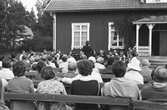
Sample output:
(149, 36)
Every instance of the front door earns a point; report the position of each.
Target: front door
(163, 43)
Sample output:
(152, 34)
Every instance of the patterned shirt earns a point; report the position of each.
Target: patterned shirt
(51, 86)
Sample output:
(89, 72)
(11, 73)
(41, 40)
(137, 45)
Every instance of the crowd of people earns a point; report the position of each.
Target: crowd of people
(84, 76)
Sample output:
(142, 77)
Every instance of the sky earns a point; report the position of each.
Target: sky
(29, 4)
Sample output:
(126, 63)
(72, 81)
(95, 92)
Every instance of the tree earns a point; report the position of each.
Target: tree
(15, 15)
(44, 25)
(2, 15)
(126, 29)
(30, 18)
(40, 5)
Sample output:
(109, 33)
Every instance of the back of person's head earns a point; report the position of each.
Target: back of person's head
(72, 66)
(23, 51)
(134, 53)
(119, 68)
(48, 73)
(117, 57)
(37, 58)
(19, 69)
(159, 74)
(145, 62)
(100, 60)
(85, 67)
(93, 59)
(13, 55)
(110, 61)
(6, 63)
(44, 57)
(92, 63)
(24, 57)
(64, 58)
(34, 67)
(40, 65)
(49, 58)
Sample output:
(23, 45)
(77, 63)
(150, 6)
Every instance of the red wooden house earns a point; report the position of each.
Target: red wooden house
(76, 21)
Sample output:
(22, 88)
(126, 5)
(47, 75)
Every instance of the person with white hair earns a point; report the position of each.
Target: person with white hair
(99, 63)
(145, 70)
(72, 67)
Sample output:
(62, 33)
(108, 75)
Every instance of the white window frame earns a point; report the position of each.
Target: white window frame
(156, 1)
(109, 38)
(88, 35)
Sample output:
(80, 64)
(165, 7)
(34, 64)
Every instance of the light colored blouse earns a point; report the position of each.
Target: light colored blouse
(51, 86)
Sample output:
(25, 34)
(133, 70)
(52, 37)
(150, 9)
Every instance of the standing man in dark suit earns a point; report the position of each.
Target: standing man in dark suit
(88, 51)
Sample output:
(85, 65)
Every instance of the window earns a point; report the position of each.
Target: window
(80, 34)
(115, 41)
(156, 1)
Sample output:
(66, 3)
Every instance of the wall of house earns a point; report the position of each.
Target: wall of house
(98, 26)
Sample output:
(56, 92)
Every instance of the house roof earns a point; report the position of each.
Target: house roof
(152, 19)
(27, 31)
(100, 5)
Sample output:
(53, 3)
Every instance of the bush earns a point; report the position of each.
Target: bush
(38, 43)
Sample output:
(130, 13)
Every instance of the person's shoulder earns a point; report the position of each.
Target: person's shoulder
(56, 82)
(76, 81)
(147, 87)
(27, 79)
(106, 85)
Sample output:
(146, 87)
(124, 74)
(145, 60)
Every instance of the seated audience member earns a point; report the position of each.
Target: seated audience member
(85, 69)
(6, 73)
(102, 54)
(1, 58)
(70, 58)
(121, 86)
(133, 73)
(71, 70)
(51, 86)
(133, 56)
(117, 57)
(145, 70)
(31, 57)
(2, 104)
(158, 89)
(122, 56)
(26, 62)
(115, 52)
(93, 59)
(33, 68)
(64, 64)
(82, 55)
(20, 84)
(108, 69)
(31, 74)
(55, 62)
(49, 63)
(21, 55)
(110, 54)
(95, 75)
(40, 65)
(13, 57)
(99, 63)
